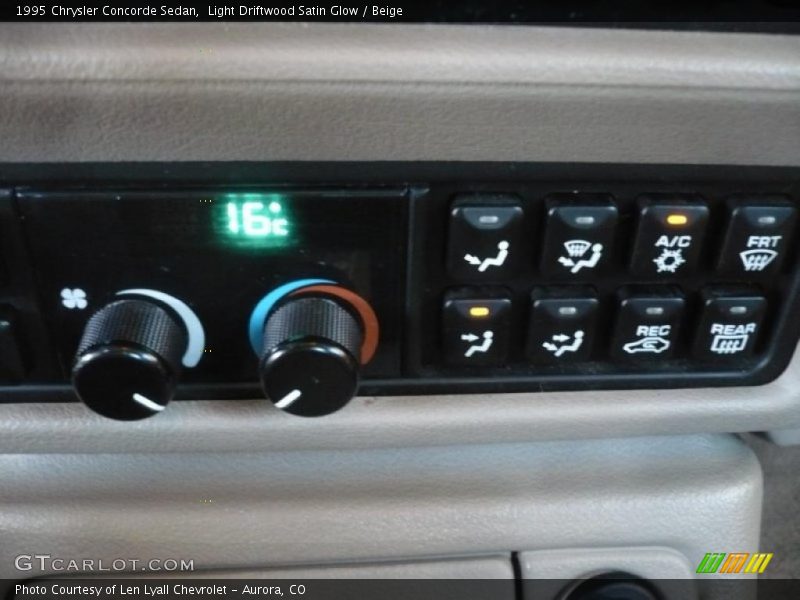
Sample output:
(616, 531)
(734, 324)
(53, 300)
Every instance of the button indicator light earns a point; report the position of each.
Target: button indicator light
(676, 219)
(479, 312)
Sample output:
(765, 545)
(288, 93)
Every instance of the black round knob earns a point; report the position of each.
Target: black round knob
(129, 359)
(310, 356)
(612, 586)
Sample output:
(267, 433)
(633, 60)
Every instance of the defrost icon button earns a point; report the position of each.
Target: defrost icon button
(579, 236)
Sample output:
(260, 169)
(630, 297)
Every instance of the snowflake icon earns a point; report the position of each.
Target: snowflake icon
(669, 261)
(74, 298)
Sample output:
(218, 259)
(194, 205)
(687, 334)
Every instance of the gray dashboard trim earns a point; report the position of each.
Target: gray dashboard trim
(180, 92)
(296, 91)
(497, 566)
(248, 510)
(385, 422)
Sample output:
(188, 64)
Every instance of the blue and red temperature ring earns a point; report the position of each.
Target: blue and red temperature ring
(369, 320)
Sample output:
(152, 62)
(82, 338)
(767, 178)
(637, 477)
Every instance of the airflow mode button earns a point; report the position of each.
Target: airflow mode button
(579, 236)
(485, 237)
(476, 327)
(562, 326)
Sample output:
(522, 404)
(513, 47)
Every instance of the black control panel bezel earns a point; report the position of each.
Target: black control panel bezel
(431, 188)
(430, 280)
(175, 241)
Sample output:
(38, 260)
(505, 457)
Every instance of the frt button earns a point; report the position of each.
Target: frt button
(757, 237)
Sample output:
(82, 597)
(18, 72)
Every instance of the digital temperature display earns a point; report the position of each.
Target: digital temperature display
(254, 217)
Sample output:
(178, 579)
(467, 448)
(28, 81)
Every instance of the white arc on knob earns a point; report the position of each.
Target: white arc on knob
(194, 328)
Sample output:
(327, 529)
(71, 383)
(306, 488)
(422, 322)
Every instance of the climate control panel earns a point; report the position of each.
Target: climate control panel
(417, 279)
(487, 243)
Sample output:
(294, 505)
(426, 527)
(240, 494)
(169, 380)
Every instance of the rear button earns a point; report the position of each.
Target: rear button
(730, 325)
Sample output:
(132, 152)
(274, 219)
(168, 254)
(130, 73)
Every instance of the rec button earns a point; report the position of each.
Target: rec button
(757, 237)
(647, 326)
(485, 237)
(669, 236)
(476, 327)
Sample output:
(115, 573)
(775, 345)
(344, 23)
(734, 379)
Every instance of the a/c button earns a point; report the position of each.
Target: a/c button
(669, 237)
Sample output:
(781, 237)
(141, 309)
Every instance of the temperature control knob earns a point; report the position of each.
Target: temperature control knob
(312, 347)
(129, 359)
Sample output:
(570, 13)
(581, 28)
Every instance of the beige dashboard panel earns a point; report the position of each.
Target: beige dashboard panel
(269, 92)
(681, 494)
(295, 91)
(391, 421)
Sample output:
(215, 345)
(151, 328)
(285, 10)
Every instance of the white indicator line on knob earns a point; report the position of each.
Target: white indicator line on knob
(147, 403)
(288, 398)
